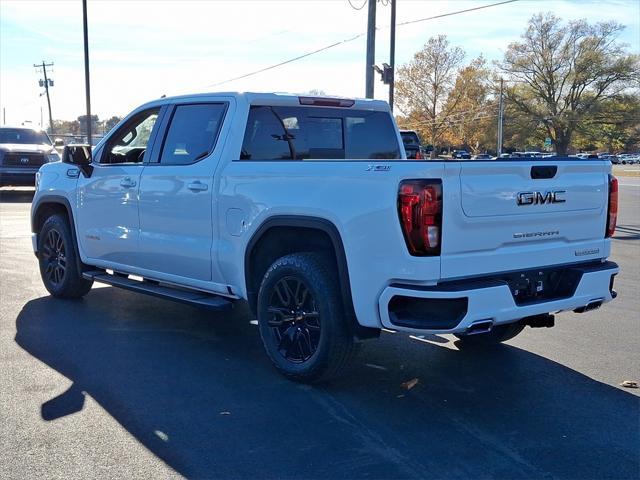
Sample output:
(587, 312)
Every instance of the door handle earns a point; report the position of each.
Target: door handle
(198, 186)
(126, 182)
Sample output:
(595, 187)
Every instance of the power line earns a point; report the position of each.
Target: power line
(355, 37)
(357, 8)
(409, 22)
(289, 61)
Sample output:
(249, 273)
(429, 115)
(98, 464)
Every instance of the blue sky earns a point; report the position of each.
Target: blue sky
(141, 50)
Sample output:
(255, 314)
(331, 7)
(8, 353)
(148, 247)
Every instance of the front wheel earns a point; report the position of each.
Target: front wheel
(58, 260)
(498, 334)
(301, 318)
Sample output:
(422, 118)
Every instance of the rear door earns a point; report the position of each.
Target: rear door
(176, 202)
(513, 215)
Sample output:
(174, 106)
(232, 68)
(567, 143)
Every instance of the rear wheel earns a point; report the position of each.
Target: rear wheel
(301, 318)
(498, 334)
(58, 260)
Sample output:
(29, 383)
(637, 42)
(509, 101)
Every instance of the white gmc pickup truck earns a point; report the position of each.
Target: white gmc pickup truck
(307, 208)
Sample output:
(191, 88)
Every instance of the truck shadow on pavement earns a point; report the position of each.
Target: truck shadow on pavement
(196, 389)
(627, 232)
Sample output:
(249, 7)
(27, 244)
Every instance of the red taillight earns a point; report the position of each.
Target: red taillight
(612, 211)
(420, 212)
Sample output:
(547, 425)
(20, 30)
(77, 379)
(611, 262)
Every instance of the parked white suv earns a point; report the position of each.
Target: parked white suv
(308, 209)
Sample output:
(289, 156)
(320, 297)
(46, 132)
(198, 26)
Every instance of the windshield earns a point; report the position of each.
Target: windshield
(410, 138)
(24, 136)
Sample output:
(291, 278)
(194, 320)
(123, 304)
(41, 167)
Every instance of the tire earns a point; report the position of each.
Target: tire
(57, 255)
(312, 344)
(497, 335)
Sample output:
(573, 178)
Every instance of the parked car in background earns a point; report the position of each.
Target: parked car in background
(461, 155)
(482, 156)
(612, 158)
(23, 150)
(412, 147)
(533, 154)
(628, 158)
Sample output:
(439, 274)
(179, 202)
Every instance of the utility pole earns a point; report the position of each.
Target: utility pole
(4, 116)
(371, 48)
(46, 88)
(392, 54)
(86, 69)
(500, 118)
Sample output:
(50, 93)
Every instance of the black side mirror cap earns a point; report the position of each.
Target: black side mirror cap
(79, 155)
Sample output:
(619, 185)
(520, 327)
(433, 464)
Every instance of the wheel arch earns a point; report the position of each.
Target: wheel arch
(283, 234)
(48, 205)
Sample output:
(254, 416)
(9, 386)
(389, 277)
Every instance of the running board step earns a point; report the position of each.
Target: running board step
(192, 297)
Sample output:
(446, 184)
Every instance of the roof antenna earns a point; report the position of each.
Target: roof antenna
(163, 96)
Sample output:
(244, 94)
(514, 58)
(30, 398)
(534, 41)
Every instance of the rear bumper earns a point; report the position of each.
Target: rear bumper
(453, 308)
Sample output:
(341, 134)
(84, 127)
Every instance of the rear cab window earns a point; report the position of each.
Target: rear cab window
(318, 133)
(410, 138)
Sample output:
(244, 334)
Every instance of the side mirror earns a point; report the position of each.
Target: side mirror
(79, 155)
(58, 143)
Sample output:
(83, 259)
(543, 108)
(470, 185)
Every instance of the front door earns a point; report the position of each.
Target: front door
(177, 194)
(107, 203)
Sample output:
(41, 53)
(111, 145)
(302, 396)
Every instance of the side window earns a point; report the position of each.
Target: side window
(371, 135)
(129, 143)
(313, 133)
(266, 137)
(192, 133)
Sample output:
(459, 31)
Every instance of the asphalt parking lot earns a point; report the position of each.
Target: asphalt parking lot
(120, 385)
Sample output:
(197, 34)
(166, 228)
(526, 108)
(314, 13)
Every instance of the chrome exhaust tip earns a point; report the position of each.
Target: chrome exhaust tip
(592, 305)
(480, 326)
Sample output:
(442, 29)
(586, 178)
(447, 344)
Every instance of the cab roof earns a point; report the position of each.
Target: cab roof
(273, 98)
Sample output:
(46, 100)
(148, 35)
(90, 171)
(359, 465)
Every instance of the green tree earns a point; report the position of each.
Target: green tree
(474, 111)
(63, 127)
(614, 127)
(423, 89)
(560, 74)
(82, 120)
(108, 124)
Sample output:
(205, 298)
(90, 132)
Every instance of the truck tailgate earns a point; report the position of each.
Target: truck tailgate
(513, 215)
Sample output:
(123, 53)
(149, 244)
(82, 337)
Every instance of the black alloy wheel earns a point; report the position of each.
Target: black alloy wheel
(301, 318)
(295, 321)
(55, 258)
(60, 268)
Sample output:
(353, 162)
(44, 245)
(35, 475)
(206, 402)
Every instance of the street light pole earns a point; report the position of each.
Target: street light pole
(371, 48)
(392, 53)
(86, 69)
(46, 89)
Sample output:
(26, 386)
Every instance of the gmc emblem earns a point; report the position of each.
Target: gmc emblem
(539, 198)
